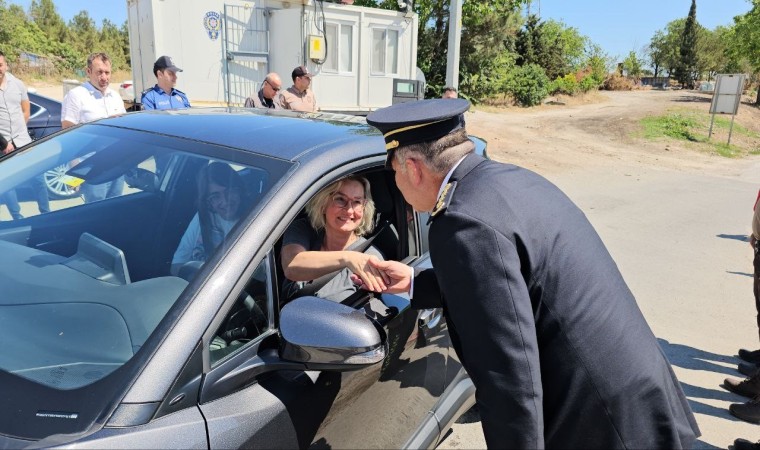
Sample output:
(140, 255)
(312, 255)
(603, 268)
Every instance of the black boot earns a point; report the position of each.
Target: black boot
(752, 356)
(743, 444)
(749, 411)
(749, 387)
(748, 369)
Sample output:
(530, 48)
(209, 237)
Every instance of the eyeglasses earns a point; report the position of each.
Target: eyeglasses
(217, 197)
(343, 202)
(276, 89)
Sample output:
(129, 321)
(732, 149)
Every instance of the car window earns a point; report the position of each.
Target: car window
(249, 318)
(34, 109)
(91, 281)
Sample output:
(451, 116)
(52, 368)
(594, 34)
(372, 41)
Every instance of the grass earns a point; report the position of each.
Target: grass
(693, 126)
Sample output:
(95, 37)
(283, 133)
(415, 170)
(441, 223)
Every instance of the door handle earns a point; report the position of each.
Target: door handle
(430, 317)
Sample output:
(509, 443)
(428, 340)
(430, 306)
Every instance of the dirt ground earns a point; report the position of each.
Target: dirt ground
(600, 130)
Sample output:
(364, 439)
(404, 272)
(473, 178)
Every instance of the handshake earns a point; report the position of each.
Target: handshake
(388, 277)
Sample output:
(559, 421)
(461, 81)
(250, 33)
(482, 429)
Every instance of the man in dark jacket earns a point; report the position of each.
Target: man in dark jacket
(266, 97)
(539, 314)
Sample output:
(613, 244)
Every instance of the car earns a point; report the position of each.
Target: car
(106, 346)
(44, 120)
(127, 92)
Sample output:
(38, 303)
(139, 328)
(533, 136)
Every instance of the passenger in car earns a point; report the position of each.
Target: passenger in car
(330, 243)
(222, 199)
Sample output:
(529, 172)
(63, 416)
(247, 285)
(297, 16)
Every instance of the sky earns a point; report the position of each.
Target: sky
(617, 26)
(620, 27)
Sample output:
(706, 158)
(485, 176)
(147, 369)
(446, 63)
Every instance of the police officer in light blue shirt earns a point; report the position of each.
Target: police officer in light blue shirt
(163, 95)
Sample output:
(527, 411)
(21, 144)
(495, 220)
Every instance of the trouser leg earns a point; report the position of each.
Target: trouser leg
(41, 193)
(11, 201)
(756, 284)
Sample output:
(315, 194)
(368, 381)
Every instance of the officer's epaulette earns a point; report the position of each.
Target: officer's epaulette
(444, 199)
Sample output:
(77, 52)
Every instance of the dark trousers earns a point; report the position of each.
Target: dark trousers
(756, 286)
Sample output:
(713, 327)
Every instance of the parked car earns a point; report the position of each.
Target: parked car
(45, 119)
(127, 91)
(104, 347)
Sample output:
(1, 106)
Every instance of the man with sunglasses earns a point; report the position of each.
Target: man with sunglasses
(265, 98)
(299, 97)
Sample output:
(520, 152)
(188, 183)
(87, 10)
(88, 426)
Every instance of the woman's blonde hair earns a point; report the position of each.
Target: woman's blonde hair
(318, 205)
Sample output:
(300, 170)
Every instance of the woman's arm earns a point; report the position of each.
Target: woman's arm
(300, 264)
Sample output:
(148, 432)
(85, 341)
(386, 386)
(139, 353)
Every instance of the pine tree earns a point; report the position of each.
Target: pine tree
(687, 64)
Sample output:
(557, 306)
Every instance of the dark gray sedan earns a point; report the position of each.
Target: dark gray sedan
(106, 345)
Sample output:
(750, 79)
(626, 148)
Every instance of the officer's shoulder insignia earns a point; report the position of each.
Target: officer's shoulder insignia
(444, 199)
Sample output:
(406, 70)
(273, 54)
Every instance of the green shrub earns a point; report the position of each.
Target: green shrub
(564, 85)
(528, 84)
(588, 83)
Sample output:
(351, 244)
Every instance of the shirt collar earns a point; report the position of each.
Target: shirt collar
(90, 87)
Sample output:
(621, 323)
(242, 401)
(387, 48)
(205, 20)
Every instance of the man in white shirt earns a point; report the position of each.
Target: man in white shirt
(90, 101)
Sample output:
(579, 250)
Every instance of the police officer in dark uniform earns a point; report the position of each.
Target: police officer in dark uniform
(541, 318)
(163, 95)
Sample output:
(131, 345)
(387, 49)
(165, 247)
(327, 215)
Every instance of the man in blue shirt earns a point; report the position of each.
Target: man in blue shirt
(163, 95)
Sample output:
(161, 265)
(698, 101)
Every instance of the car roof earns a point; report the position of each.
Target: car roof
(282, 134)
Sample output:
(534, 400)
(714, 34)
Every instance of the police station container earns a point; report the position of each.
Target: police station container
(226, 48)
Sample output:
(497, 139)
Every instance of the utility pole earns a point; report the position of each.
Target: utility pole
(455, 35)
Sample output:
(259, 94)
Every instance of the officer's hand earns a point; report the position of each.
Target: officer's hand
(361, 265)
(8, 148)
(399, 276)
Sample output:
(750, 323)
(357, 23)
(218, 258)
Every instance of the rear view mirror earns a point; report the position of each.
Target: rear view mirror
(324, 335)
(144, 180)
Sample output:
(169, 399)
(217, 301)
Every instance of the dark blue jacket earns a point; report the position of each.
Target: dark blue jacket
(157, 98)
(541, 318)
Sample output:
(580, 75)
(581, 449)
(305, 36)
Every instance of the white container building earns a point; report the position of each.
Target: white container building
(226, 47)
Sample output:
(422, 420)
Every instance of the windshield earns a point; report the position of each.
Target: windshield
(101, 229)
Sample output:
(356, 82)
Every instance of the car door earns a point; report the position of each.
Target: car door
(379, 406)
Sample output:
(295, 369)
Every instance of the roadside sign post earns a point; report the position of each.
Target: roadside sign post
(726, 99)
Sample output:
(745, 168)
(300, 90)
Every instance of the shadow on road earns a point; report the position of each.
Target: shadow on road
(696, 359)
(736, 237)
(740, 273)
(692, 99)
(704, 445)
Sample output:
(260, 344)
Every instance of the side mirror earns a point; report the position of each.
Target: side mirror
(324, 335)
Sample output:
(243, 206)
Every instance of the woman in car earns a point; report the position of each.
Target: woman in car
(331, 242)
(222, 201)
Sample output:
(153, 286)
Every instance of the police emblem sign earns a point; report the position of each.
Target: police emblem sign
(212, 24)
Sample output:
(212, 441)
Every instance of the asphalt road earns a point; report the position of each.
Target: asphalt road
(680, 240)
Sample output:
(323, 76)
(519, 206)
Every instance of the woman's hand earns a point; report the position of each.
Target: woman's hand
(363, 266)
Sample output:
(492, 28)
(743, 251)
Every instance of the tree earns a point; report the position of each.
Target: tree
(657, 51)
(45, 15)
(632, 65)
(746, 42)
(687, 63)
